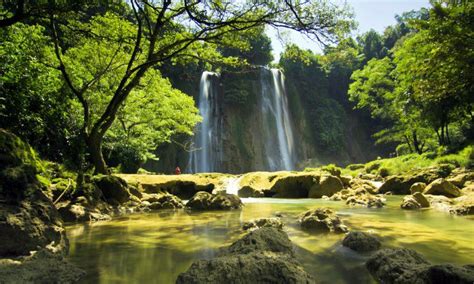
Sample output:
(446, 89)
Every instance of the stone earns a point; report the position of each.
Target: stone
(415, 201)
(322, 220)
(417, 187)
(262, 256)
(464, 205)
(293, 186)
(114, 189)
(361, 242)
(366, 200)
(461, 179)
(328, 185)
(408, 266)
(256, 267)
(263, 222)
(442, 187)
(162, 201)
(263, 239)
(205, 201)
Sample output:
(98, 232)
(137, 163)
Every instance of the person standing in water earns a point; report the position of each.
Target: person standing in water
(177, 171)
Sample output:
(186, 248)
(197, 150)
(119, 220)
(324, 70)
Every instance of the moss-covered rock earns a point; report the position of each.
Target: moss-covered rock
(206, 201)
(408, 266)
(417, 187)
(294, 185)
(415, 201)
(328, 185)
(263, 222)
(361, 242)
(322, 220)
(442, 187)
(262, 256)
(114, 189)
(162, 201)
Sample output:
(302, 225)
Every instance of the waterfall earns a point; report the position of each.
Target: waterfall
(206, 140)
(277, 127)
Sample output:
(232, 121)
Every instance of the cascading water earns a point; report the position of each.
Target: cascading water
(203, 157)
(277, 127)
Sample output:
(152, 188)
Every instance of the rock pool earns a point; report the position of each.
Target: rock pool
(156, 247)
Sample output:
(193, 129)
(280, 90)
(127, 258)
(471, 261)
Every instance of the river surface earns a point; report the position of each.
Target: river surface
(156, 247)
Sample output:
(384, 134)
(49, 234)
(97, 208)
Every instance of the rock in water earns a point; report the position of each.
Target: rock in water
(415, 201)
(322, 220)
(162, 201)
(264, 239)
(408, 266)
(361, 242)
(205, 201)
(442, 187)
(262, 256)
(263, 222)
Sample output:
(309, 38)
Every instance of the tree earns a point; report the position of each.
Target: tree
(437, 63)
(187, 29)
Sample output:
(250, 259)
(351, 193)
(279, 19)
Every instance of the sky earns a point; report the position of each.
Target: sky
(370, 14)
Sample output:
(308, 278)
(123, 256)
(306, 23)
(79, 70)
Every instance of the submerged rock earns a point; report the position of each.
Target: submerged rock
(415, 201)
(322, 220)
(442, 187)
(41, 267)
(263, 222)
(328, 186)
(361, 242)
(408, 266)
(206, 201)
(262, 256)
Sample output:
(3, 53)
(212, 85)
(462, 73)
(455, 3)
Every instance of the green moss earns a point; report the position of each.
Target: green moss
(412, 162)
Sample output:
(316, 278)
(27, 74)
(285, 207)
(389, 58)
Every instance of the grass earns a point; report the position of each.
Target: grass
(411, 162)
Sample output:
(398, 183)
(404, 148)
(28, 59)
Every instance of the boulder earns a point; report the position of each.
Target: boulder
(293, 185)
(114, 189)
(262, 256)
(442, 187)
(221, 201)
(397, 185)
(417, 187)
(464, 205)
(415, 201)
(408, 266)
(366, 200)
(256, 267)
(322, 220)
(248, 191)
(263, 222)
(263, 239)
(361, 242)
(461, 179)
(162, 201)
(78, 213)
(328, 185)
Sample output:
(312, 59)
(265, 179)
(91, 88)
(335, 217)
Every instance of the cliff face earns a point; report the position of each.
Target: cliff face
(323, 130)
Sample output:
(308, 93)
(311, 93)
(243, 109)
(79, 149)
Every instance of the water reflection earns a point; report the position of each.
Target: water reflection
(156, 247)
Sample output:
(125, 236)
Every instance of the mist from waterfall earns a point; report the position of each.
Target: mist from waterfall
(203, 157)
(277, 126)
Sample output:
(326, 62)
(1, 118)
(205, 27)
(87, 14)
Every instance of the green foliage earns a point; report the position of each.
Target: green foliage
(414, 162)
(32, 103)
(332, 169)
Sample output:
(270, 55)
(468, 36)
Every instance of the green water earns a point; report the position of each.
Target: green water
(156, 247)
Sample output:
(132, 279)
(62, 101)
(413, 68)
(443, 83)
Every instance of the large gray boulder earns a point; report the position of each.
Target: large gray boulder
(408, 266)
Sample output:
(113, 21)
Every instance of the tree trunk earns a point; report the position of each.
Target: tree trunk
(94, 146)
(416, 144)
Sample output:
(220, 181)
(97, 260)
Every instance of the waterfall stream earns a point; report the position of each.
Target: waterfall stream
(277, 127)
(277, 141)
(203, 157)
